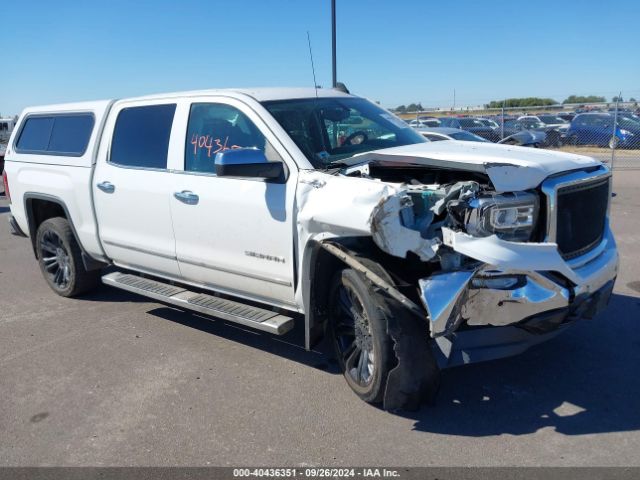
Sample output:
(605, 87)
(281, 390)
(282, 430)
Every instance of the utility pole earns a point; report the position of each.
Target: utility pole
(614, 139)
(454, 98)
(333, 42)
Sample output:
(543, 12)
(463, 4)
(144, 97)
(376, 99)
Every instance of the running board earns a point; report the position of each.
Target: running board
(236, 312)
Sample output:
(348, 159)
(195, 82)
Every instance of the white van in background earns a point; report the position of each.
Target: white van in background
(6, 127)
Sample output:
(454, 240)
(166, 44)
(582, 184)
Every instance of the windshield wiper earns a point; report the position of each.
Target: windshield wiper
(338, 163)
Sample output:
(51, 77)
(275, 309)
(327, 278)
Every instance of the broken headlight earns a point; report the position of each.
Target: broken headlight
(510, 216)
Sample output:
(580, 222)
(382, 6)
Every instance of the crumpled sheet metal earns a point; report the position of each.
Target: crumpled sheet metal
(322, 207)
(374, 209)
(443, 295)
(393, 237)
(504, 255)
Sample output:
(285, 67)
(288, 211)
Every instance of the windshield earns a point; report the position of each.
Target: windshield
(470, 122)
(628, 123)
(551, 119)
(629, 116)
(467, 137)
(532, 123)
(488, 123)
(331, 129)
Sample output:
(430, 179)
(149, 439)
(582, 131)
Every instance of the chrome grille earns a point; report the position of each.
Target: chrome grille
(581, 217)
(577, 205)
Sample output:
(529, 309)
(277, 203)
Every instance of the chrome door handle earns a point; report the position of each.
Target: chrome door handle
(187, 197)
(106, 187)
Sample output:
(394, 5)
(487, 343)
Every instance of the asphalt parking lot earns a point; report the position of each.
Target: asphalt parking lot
(112, 379)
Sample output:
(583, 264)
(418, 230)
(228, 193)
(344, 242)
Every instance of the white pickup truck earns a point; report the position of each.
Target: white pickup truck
(267, 207)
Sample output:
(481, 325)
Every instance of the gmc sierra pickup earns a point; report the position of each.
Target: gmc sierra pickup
(267, 207)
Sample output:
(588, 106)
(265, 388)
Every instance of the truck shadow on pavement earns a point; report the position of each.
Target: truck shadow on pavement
(584, 381)
(289, 346)
(108, 294)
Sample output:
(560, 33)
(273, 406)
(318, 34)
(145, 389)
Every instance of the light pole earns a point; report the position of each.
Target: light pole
(333, 43)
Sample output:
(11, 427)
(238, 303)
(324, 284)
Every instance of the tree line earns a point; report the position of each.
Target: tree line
(525, 102)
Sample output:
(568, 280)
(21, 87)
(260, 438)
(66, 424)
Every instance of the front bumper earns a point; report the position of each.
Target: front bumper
(510, 294)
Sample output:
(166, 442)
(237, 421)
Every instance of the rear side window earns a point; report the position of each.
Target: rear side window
(66, 135)
(141, 136)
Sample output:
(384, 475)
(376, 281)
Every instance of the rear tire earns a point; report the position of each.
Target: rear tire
(60, 259)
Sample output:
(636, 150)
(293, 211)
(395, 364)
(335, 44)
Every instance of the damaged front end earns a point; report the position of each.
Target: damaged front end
(494, 271)
(484, 254)
(499, 259)
(495, 259)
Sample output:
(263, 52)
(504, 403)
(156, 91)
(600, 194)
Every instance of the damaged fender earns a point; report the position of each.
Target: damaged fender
(393, 237)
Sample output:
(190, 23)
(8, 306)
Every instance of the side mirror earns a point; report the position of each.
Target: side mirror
(247, 163)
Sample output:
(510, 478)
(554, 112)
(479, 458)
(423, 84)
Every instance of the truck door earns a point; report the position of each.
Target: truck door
(232, 234)
(132, 188)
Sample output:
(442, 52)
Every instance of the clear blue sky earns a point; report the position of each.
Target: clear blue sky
(396, 52)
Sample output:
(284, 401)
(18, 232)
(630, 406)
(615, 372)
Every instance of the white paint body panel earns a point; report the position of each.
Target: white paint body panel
(510, 168)
(239, 237)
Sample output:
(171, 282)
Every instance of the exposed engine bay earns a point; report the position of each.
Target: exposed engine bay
(428, 200)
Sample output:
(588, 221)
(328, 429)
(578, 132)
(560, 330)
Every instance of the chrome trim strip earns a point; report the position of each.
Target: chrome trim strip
(137, 249)
(585, 258)
(263, 278)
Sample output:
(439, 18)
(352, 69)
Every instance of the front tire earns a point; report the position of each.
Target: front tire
(60, 259)
(359, 333)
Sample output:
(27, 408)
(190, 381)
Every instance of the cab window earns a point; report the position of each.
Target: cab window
(215, 127)
(141, 136)
(61, 134)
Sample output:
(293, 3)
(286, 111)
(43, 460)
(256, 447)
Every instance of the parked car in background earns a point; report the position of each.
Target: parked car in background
(555, 122)
(525, 138)
(489, 123)
(597, 129)
(425, 122)
(3, 149)
(472, 125)
(436, 134)
(6, 127)
(630, 116)
(431, 121)
(553, 135)
(568, 116)
(552, 120)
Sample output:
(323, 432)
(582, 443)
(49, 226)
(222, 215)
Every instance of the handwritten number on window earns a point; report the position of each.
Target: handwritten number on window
(208, 142)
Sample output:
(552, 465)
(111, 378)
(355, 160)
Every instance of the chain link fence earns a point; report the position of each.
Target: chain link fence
(609, 132)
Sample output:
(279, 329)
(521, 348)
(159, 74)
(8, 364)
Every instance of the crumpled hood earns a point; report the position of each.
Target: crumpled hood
(510, 168)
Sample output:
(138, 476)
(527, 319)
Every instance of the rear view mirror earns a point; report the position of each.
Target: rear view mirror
(336, 114)
(247, 163)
